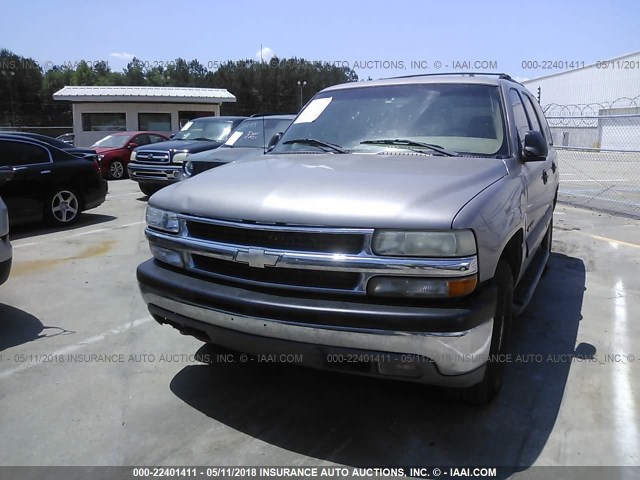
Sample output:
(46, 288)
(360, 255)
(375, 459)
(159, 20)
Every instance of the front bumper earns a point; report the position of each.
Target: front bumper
(449, 343)
(162, 174)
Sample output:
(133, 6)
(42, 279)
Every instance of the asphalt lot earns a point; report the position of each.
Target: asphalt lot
(73, 294)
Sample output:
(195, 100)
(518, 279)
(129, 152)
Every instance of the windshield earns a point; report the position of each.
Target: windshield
(462, 118)
(214, 130)
(112, 141)
(249, 133)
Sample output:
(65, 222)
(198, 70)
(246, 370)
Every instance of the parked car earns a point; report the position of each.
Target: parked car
(47, 183)
(114, 150)
(394, 231)
(158, 165)
(6, 253)
(54, 142)
(252, 135)
(68, 138)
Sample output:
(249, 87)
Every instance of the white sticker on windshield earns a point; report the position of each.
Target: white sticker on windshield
(313, 110)
(186, 126)
(233, 138)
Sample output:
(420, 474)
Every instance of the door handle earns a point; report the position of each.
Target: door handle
(545, 177)
(43, 172)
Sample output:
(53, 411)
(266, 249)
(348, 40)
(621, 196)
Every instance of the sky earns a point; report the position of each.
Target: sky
(376, 38)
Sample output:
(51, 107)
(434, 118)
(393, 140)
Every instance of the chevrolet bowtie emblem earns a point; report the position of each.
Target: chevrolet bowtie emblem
(257, 258)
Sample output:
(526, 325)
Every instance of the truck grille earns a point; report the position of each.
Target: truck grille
(277, 276)
(152, 156)
(283, 240)
(199, 167)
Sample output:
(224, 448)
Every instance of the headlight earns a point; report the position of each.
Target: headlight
(132, 157)
(162, 220)
(454, 243)
(187, 169)
(179, 157)
(420, 287)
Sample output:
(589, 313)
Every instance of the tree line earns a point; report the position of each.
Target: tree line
(26, 88)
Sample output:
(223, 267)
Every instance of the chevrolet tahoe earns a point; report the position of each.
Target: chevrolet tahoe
(402, 223)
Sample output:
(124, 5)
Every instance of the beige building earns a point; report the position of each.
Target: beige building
(97, 111)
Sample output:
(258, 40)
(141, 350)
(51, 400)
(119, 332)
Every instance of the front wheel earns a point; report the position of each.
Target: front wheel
(485, 391)
(62, 207)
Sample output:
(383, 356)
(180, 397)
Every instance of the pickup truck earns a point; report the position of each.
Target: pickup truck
(157, 165)
(395, 231)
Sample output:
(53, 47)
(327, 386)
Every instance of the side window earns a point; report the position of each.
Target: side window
(14, 154)
(522, 123)
(156, 138)
(543, 122)
(141, 139)
(533, 116)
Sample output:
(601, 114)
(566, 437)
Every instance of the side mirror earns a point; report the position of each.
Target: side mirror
(5, 175)
(535, 147)
(132, 145)
(171, 136)
(274, 140)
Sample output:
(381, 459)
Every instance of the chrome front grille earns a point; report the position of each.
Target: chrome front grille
(294, 257)
(152, 156)
(299, 241)
(277, 276)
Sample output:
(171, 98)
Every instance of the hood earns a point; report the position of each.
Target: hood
(227, 154)
(181, 145)
(103, 150)
(354, 190)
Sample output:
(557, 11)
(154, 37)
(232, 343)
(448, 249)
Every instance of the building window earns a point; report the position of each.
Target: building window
(186, 116)
(159, 122)
(104, 122)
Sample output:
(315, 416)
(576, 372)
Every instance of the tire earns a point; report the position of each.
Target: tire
(116, 170)
(148, 189)
(62, 207)
(484, 392)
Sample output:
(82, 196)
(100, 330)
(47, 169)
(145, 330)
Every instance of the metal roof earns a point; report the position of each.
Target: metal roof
(145, 94)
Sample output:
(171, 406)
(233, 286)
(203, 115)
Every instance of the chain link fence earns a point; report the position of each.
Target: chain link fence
(599, 154)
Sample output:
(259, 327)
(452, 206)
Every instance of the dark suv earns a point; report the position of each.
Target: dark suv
(160, 164)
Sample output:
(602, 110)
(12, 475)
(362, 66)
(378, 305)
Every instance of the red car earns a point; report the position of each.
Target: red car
(114, 150)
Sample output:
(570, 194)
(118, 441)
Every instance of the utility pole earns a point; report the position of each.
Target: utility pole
(301, 84)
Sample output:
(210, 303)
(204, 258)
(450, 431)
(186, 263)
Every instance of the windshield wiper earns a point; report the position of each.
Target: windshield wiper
(410, 143)
(317, 143)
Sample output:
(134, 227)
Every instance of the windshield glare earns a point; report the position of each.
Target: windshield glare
(249, 133)
(111, 141)
(215, 130)
(463, 118)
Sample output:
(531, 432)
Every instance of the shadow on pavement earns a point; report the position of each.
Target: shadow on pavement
(368, 422)
(17, 327)
(28, 230)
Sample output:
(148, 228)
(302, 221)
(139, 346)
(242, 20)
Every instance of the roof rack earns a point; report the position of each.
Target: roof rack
(502, 76)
